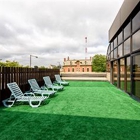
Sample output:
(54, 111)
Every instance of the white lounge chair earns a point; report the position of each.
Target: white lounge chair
(50, 85)
(60, 81)
(18, 96)
(37, 90)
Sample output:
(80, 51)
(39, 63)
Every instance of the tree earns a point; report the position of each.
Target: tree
(99, 63)
(2, 64)
(10, 64)
(42, 67)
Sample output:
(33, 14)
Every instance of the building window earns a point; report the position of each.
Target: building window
(127, 31)
(87, 69)
(72, 69)
(136, 22)
(120, 38)
(127, 46)
(108, 66)
(128, 78)
(115, 71)
(108, 50)
(108, 57)
(112, 55)
(122, 73)
(68, 69)
(136, 41)
(111, 46)
(115, 53)
(136, 75)
(83, 69)
(120, 51)
(115, 42)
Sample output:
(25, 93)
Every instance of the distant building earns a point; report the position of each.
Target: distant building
(79, 65)
(52, 66)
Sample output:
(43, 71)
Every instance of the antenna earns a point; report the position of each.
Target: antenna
(85, 48)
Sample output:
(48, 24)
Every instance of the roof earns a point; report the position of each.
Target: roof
(80, 61)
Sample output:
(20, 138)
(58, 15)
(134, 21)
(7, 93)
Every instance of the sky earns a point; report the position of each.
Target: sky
(54, 29)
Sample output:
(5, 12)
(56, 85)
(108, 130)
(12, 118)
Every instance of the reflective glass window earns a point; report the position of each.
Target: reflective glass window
(136, 22)
(120, 38)
(136, 75)
(111, 55)
(128, 79)
(111, 46)
(115, 42)
(127, 31)
(120, 51)
(108, 57)
(122, 73)
(136, 41)
(108, 66)
(115, 72)
(115, 53)
(127, 46)
(108, 51)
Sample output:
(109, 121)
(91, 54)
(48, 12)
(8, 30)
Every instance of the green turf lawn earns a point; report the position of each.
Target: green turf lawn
(83, 111)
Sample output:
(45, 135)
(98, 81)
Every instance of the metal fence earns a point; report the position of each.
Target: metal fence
(21, 76)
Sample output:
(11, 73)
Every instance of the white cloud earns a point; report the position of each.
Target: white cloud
(54, 29)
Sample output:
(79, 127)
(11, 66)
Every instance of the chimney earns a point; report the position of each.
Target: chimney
(64, 59)
(68, 58)
(91, 58)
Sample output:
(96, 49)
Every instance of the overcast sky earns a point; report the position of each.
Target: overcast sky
(54, 29)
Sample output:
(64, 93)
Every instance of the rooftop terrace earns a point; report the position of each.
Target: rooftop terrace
(84, 110)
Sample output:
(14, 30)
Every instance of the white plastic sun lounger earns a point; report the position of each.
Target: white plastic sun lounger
(50, 85)
(37, 90)
(18, 96)
(60, 81)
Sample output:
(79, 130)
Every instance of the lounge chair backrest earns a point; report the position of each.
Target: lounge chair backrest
(34, 85)
(57, 77)
(47, 80)
(15, 90)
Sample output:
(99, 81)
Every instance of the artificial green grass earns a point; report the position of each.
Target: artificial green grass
(85, 110)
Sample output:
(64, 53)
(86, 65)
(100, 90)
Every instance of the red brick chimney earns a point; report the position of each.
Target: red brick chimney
(64, 59)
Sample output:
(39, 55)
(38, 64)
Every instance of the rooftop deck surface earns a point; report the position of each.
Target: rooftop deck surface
(84, 110)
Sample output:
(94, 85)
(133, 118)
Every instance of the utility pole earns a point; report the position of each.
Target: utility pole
(31, 59)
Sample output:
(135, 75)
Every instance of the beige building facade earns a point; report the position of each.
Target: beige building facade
(77, 65)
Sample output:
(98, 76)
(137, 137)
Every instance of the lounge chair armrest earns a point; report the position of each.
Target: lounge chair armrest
(29, 93)
(44, 88)
(55, 84)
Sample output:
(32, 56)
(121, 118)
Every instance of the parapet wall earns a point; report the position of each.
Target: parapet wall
(98, 76)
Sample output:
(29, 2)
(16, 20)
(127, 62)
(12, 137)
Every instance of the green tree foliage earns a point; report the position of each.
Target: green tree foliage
(99, 63)
(2, 64)
(42, 67)
(10, 64)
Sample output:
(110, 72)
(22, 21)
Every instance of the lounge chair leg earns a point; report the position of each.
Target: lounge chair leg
(8, 101)
(32, 105)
